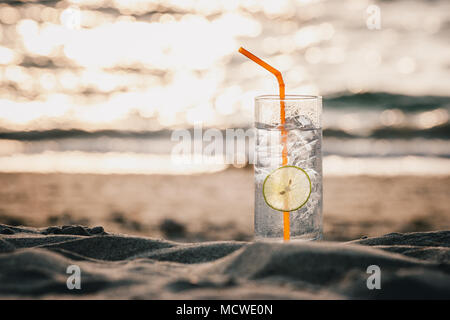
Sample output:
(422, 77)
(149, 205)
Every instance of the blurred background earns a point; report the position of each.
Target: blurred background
(91, 91)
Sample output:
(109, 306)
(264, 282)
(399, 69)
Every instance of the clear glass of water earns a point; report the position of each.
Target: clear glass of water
(301, 137)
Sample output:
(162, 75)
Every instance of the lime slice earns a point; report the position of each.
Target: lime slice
(287, 188)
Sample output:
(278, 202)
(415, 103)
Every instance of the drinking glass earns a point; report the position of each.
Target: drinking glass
(277, 175)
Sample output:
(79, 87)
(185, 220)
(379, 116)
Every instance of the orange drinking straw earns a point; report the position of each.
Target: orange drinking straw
(281, 87)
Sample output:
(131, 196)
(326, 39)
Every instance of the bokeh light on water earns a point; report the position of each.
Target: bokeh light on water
(146, 65)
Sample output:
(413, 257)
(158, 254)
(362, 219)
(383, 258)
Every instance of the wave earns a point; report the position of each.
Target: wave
(437, 132)
(53, 134)
(384, 100)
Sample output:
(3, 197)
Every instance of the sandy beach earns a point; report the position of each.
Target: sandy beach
(217, 206)
(189, 237)
(33, 264)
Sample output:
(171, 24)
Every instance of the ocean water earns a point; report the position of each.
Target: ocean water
(98, 86)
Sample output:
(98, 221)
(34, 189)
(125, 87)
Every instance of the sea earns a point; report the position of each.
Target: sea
(100, 86)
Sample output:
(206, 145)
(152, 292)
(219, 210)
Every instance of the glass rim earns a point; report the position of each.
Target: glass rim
(288, 97)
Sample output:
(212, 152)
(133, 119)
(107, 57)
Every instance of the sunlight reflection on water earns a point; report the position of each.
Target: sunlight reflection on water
(147, 65)
(97, 62)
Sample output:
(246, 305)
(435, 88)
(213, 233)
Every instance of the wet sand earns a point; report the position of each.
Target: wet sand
(217, 206)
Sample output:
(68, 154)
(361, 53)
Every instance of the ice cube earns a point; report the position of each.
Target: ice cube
(301, 121)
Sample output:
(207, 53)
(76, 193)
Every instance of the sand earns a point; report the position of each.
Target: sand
(207, 223)
(33, 264)
(217, 206)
